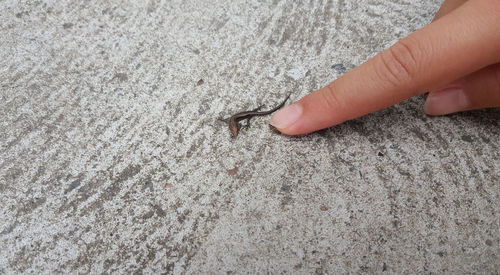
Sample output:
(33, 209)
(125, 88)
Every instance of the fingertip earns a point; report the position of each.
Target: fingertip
(309, 114)
(284, 119)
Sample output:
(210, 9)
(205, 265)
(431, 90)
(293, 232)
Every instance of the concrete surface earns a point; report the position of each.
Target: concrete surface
(112, 160)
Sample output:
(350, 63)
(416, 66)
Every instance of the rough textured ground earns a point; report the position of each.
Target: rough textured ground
(112, 158)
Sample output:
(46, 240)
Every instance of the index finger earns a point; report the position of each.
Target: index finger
(457, 44)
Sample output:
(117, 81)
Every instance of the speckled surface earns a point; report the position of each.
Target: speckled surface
(112, 158)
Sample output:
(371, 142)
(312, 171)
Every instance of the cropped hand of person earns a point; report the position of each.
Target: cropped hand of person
(456, 58)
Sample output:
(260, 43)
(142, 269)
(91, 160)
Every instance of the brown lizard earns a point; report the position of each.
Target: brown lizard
(234, 120)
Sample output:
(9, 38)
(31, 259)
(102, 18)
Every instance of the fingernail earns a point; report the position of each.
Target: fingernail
(446, 101)
(286, 116)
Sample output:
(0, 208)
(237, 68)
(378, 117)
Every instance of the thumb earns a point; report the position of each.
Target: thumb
(476, 91)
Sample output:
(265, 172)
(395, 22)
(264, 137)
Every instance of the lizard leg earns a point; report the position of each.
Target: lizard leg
(247, 124)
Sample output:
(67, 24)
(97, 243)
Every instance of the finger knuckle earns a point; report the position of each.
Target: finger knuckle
(398, 64)
(330, 98)
(494, 6)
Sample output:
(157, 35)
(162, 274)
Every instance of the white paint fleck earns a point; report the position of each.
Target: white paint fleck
(297, 73)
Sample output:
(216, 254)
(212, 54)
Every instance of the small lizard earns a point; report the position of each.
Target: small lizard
(234, 120)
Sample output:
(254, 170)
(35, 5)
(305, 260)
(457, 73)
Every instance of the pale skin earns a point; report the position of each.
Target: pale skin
(456, 57)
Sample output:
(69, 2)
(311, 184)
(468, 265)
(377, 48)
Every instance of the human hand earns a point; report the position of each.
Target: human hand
(456, 57)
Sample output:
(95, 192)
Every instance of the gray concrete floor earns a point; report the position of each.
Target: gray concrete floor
(112, 158)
